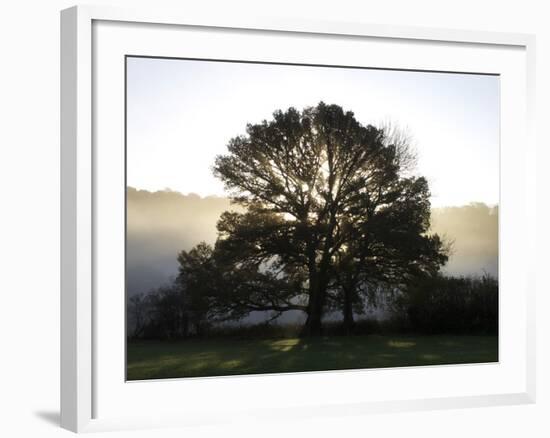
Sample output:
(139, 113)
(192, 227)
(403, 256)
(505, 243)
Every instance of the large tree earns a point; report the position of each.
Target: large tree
(324, 198)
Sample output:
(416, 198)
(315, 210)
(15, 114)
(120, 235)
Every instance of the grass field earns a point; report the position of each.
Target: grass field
(218, 357)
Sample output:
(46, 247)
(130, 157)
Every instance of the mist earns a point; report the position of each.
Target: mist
(160, 224)
(472, 231)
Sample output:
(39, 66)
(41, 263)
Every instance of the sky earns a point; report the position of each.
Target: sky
(182, 113)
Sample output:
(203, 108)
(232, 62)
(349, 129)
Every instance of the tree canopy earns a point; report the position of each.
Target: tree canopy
(330, 206)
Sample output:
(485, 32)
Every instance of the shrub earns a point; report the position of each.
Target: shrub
(440, 304)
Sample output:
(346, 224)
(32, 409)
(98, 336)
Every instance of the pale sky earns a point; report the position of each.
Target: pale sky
(181, 114)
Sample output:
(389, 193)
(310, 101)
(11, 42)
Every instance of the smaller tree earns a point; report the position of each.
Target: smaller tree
(387, 245)
(197, 283)
(166, 313)
(137, 312)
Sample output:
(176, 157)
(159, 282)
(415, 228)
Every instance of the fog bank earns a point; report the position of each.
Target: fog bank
(162, 223)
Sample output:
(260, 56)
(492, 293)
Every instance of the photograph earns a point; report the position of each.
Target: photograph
(290, 218)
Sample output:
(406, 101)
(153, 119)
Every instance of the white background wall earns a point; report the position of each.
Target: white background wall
(29, 216)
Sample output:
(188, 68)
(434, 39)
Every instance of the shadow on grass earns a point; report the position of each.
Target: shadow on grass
(216, 357)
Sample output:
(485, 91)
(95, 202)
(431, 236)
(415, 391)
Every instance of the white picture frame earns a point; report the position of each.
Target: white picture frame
(86, 375)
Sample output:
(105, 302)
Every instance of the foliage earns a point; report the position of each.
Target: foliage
(197, 282)
(160, 314)
(327, 207)
(439, 304)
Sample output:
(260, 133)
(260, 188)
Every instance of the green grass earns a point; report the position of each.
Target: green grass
(218, 357)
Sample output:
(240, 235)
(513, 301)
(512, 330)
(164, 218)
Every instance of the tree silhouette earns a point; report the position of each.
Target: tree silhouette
(198, 281)
(387, 246)
(327, 205)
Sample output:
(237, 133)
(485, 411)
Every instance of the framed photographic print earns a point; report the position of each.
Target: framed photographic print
(336, 212)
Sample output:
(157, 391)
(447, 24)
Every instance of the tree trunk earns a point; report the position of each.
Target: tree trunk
(313, 324)
(318, 282)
